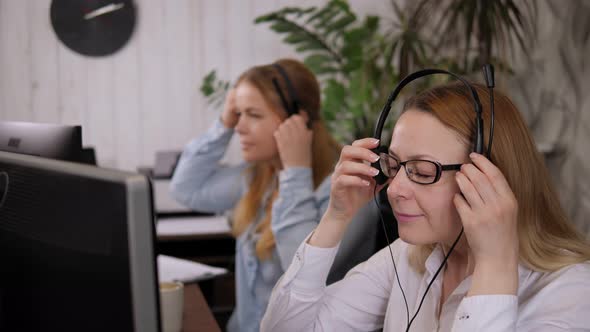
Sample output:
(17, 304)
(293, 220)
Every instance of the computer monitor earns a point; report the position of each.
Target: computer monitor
(42, 139)
(76, 248)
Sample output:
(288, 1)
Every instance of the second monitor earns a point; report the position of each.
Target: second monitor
(76, 248)
(53, 141)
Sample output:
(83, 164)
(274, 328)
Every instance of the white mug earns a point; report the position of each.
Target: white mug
(171, 306)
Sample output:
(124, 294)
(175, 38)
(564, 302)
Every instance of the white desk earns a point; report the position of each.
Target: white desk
(163, 201)
(183, 228)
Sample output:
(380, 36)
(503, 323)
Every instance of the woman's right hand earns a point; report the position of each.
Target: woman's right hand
(352, 187)
(230, 116)
(353, 184)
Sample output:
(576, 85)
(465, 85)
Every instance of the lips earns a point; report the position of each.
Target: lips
(406, 217)
(246, 144)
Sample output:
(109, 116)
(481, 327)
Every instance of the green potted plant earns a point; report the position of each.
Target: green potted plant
(359, 61)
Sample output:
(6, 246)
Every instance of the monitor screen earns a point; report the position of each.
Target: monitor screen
(41, 139)
(76, 248)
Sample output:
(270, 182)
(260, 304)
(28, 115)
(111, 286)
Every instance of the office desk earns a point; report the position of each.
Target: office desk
(203, 239)
(183, 228)
(163, 202)
(215, 249)
(197, 315)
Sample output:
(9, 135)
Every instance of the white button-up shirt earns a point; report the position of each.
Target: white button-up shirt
(369, 298)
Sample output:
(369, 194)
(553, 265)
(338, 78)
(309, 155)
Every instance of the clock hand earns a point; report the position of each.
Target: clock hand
(103, 10)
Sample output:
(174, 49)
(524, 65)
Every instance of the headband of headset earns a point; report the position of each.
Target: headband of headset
(292, 108)
(426, 72)
(488, 71)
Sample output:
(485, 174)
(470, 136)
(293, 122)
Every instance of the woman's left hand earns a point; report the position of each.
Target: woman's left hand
(489, 213)
(294, 141)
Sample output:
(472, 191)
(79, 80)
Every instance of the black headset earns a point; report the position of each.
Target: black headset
(488, 71)
(292, 108)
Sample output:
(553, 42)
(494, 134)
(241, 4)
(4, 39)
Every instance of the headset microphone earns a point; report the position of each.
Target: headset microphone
(488, 74)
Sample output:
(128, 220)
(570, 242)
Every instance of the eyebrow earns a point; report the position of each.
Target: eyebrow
(415, 156)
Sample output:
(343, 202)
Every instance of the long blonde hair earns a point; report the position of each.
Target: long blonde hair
(548, 241)
(261, 175)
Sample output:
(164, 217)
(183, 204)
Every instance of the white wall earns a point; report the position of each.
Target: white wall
(145, 97)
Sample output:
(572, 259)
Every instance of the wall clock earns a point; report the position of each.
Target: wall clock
(93, 27)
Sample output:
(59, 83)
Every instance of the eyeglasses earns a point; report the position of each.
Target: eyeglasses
(419, 171)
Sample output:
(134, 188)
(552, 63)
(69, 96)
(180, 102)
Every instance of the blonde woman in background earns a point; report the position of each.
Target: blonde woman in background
(281, 190)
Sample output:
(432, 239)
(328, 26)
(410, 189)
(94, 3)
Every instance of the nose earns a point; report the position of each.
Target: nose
(241, 126)
(400, 186)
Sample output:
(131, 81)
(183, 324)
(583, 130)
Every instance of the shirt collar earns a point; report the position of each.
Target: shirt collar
(437, 256)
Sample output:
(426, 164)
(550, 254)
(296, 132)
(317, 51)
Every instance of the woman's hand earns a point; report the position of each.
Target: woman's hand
(352, 187)
(489, 213)
(294, 141)
(352, 181)
(230, 116)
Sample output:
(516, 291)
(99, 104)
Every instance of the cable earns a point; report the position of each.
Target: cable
(391, 253)
(434, 278)
(491, 89)
(409, 322)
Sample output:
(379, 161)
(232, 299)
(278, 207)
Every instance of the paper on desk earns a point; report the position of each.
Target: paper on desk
(176, 269)
(192, 226)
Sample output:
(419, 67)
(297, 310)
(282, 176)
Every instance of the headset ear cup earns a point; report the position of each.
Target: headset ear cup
(379, 178)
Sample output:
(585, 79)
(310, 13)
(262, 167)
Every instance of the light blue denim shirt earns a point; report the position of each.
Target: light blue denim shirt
(202, 183)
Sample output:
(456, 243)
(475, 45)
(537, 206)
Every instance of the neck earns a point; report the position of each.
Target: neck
(461, 261)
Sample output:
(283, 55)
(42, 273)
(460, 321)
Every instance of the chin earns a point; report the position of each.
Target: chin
(247, 158)
(415, 237)
(253, 158)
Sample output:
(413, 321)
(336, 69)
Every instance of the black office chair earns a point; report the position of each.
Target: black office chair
(389, 219)
(88, 156)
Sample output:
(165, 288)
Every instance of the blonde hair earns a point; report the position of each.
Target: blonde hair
(261, 176)
(548, 241)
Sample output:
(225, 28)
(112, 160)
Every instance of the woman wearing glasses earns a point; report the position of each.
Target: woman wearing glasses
(518, 263)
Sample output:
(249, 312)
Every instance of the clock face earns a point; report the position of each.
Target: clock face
(93, 27)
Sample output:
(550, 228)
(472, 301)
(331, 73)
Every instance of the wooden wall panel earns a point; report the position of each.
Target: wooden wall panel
(15, 50)
(44, 81)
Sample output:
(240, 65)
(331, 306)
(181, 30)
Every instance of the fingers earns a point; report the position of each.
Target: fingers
(355, 168)
(463, 208)
(292, 125)
(479, 181)
(470, 193)
(348, 181)
(231, 93)
(303, 114)
(494, 175)
(230, 99)
(360, 151)
(485, 192)
(295, 121)
(368, 142)
(292, 128)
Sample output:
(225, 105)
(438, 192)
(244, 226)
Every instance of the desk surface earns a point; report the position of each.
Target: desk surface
(164, 203)
(197, 315)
